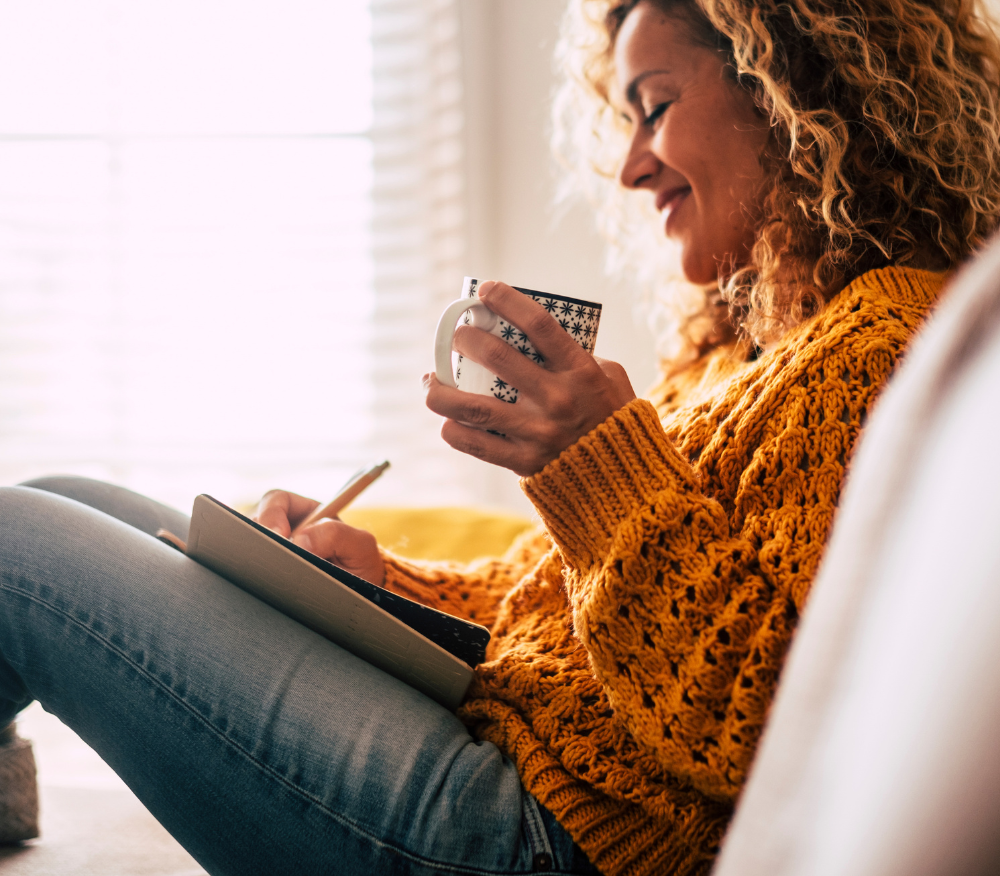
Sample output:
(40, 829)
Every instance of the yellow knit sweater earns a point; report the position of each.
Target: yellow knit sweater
(637, 641)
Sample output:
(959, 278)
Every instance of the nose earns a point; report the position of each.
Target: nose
(640, 166)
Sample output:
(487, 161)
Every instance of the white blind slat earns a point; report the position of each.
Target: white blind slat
(226, 233)
(419, 238)
(185, 244)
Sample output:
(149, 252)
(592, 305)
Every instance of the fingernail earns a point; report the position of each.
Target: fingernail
(425, 382)
(303, 541)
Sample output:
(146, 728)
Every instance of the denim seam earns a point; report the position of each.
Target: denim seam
(538, 837)
(335, 816)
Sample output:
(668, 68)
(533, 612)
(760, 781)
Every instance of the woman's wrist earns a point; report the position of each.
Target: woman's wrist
(584, 494)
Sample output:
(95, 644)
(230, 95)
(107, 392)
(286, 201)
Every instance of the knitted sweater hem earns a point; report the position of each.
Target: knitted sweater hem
(618, 837)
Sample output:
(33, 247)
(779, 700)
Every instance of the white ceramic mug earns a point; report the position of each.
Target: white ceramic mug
(579, 318)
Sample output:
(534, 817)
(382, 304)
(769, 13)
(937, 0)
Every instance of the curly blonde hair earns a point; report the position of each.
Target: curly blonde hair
(885, 141)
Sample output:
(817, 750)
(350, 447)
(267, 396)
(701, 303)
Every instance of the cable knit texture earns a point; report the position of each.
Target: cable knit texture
(637, 640)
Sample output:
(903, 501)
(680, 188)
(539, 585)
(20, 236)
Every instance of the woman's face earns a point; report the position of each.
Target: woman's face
(696, 140)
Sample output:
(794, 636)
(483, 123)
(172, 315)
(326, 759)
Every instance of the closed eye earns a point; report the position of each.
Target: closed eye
(656, 112)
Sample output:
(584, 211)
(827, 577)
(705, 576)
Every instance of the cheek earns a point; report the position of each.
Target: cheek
(727, 193)
(733, 178)
(688, 144)
(716, 149)
(718, 161)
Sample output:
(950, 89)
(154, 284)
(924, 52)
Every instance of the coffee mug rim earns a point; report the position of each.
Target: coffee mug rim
(565, 298)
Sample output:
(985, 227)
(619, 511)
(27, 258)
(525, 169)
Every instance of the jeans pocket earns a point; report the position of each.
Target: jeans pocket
(552, 848)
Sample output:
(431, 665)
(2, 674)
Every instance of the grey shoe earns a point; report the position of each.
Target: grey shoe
(18, 788)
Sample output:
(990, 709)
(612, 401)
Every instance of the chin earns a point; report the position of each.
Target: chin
(699, 270)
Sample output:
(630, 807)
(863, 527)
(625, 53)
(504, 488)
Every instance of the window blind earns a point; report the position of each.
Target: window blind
(226, 230)
(419, 239)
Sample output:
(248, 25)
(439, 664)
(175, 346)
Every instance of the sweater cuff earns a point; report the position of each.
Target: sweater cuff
(591, 487)
(401, 575)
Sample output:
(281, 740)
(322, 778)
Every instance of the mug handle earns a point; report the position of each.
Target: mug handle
(482, 318)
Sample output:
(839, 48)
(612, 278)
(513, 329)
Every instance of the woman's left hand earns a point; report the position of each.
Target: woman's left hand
(557, 405)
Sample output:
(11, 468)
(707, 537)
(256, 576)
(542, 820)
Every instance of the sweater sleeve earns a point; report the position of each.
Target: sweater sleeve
(471, 591)
(685, 614)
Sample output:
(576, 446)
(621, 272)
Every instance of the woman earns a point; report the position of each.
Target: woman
(823, 166)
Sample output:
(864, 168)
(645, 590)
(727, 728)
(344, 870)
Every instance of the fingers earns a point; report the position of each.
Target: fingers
(496, 449)
(334, 539)
(544, 331)
(543, 423)
(512, 366)
(346, 546)
(352, 549)
(557, 404)
(524, 456)
(471, 409)
(498, 357)
(280, 511)
(515, 436)
(477, 424)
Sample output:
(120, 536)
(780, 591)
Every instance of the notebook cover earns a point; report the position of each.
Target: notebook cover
(430, 650)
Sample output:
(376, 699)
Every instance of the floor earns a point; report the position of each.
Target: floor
(92, 825)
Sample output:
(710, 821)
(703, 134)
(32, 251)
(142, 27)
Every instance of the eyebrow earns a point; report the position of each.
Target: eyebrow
(632, 92)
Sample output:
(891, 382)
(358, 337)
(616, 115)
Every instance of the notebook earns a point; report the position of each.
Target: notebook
(432, 651)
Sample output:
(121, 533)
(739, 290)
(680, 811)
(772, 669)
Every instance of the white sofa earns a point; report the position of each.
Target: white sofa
(882, 751)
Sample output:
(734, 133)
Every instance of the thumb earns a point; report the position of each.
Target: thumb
(348, 547)
(304, 541)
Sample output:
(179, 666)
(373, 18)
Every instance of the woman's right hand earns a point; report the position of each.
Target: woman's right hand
(346, 546)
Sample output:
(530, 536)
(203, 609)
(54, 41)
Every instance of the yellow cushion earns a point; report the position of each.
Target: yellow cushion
(459, 534)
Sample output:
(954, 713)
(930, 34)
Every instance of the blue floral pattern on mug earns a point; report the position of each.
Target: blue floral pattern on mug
(579, 318)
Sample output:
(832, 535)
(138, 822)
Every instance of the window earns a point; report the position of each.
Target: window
(226, 232)
(186, 257)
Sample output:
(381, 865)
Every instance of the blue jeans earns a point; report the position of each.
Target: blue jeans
(262, 747)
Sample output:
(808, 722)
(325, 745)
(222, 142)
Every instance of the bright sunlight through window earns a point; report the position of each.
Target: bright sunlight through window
(185, 254)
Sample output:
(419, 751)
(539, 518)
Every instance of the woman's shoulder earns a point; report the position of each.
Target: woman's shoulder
(915, 289)
(882, 307)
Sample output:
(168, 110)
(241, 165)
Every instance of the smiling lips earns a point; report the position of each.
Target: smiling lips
(667, 201)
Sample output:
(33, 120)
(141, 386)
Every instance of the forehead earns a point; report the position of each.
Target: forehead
(653, 41)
